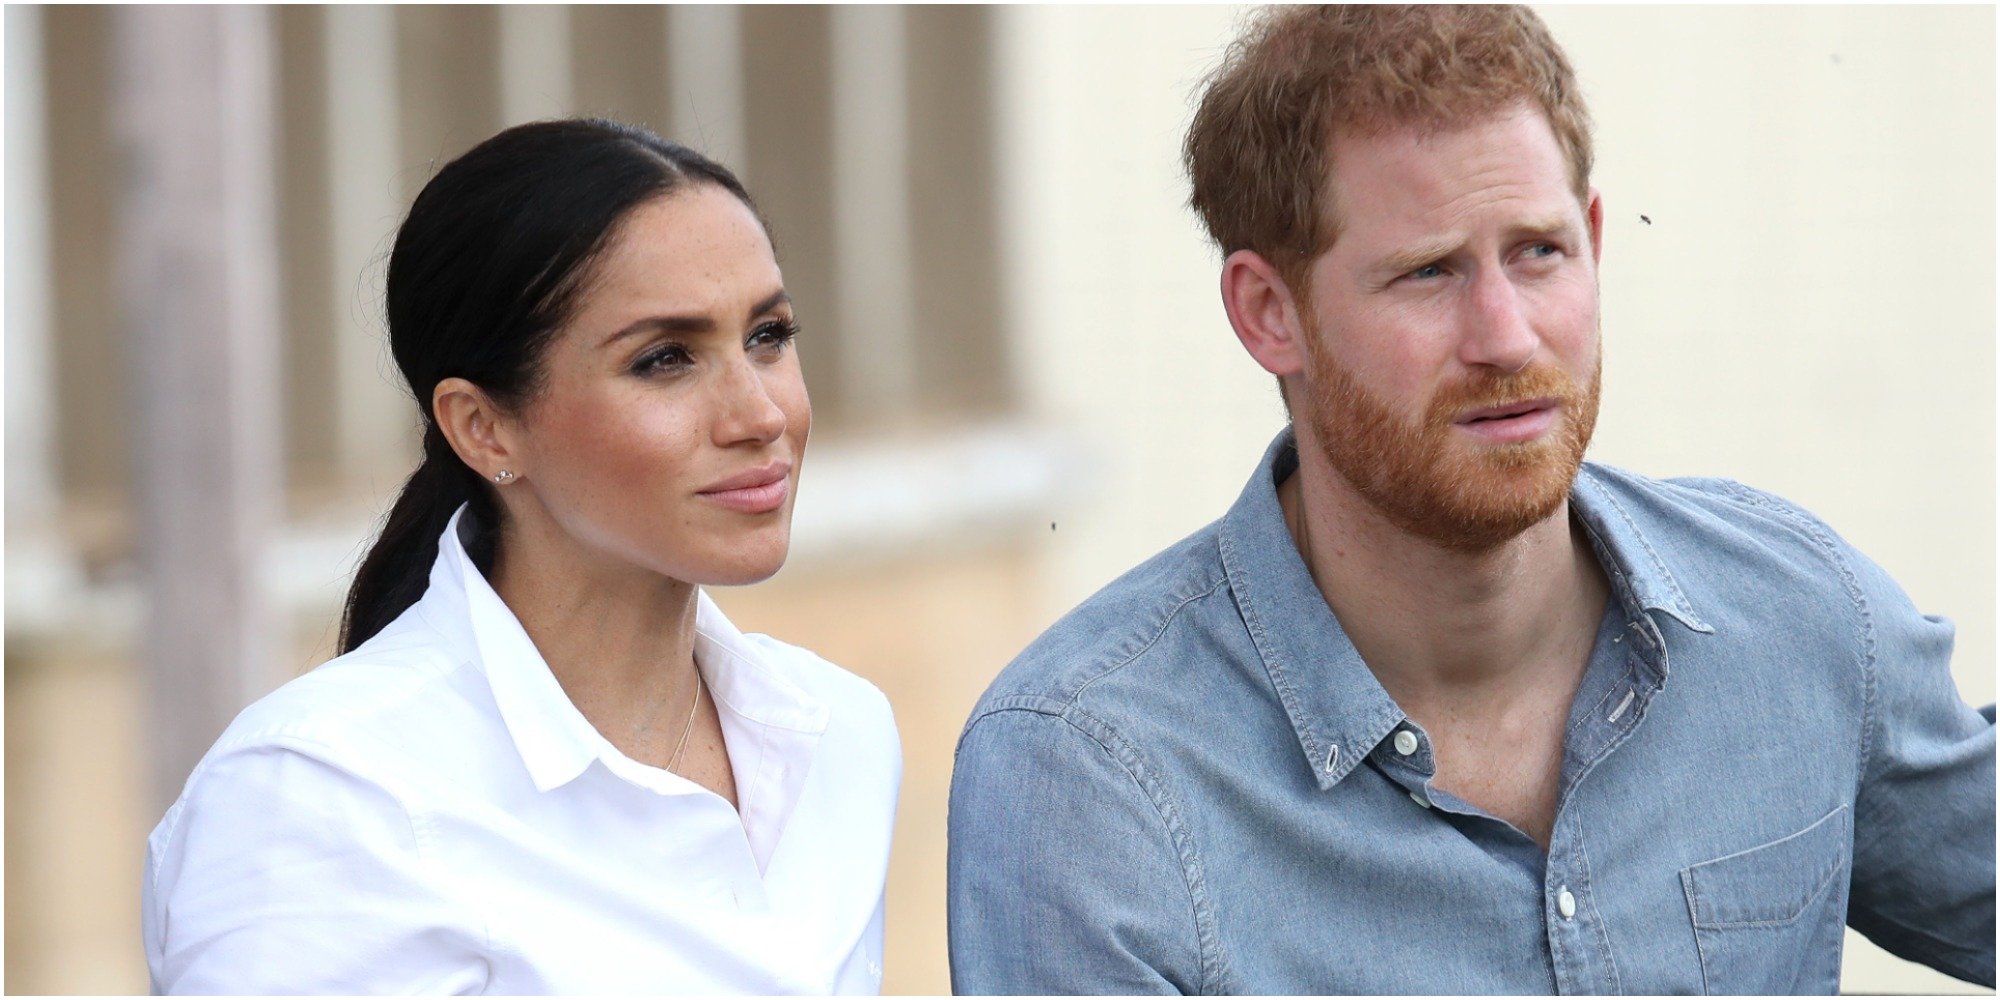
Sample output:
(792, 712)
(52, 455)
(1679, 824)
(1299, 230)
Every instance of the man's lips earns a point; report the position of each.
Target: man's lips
(1509, 423)
(753, 491)
(1505, 410)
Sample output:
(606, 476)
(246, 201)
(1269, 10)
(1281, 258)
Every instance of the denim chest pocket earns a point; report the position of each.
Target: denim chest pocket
(1768, 920)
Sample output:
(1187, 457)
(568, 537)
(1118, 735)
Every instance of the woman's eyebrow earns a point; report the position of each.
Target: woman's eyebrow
(771, 301)
(691, 324)
(662, 324)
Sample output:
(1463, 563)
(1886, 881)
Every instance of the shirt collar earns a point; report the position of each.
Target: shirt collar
(555, 741)
(1338, 710)
(744, 680)
(1639, 577)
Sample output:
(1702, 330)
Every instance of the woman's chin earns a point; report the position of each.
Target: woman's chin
(742, 568)
(742, 578)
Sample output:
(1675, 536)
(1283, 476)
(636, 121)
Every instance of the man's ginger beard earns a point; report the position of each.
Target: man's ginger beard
(1436, 482)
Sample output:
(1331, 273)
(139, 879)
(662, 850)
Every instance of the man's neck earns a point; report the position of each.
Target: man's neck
(1445, 628)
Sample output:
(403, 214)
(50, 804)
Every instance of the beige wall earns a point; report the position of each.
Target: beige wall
(1811, 309)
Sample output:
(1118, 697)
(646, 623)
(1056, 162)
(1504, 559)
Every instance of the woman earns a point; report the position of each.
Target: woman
(546, 762)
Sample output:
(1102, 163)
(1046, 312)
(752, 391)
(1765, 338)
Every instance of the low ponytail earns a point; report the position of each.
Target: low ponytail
(485, 270)
(397, 568)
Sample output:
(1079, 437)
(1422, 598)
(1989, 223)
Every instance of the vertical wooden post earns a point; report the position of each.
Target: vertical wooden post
(705, 82)
(198, 294)
(535, 70)
(374, 420)
(30, 379)
(871, 210)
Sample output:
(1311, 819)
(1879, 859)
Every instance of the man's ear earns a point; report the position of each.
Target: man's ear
(478, 431)
(1264, 313)
(1595, 214)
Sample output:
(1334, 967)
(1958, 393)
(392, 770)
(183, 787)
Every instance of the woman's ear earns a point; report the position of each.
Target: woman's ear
(478, 430)
(1264, 313)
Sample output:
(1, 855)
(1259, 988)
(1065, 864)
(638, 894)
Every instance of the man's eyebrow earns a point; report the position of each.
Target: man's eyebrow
(1417, 255)
(1553, 225)
(1431, 251)
(692, 324)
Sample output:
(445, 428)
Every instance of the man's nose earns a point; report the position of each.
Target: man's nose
(1496, 332)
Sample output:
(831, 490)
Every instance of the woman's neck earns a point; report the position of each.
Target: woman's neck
(618, 638)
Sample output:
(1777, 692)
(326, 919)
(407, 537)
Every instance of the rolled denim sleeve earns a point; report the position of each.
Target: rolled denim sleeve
(1064, 877)
(1923, 836)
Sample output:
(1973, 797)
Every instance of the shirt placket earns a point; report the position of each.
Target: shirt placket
(1579, 943)
(1405, 758)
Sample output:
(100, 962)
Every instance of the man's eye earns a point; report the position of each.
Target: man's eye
(1427, 271)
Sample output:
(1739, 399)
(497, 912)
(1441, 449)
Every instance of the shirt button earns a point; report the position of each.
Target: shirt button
(1418, 798)
(1565, 903)
(1406, 742)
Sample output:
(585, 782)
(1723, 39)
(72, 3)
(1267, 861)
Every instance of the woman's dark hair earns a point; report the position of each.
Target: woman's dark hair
(486, 268)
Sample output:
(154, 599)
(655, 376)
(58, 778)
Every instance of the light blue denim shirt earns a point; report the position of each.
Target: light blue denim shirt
(1193, 783)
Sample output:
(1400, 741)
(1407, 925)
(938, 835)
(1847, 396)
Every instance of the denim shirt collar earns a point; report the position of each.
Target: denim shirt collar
(1339, 711)
(1639, 577)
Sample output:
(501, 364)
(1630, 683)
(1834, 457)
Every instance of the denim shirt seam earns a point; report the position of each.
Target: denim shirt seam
(1159, 632)
(1121, 750)
(1056, 704)
(1865, 621)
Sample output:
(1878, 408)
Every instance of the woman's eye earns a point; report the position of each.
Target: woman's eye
(773, 336)
(663, 359)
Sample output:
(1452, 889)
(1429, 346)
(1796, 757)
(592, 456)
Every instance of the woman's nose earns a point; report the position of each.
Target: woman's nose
(746, 411)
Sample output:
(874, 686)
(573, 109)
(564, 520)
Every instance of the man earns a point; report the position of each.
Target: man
(1436, 707)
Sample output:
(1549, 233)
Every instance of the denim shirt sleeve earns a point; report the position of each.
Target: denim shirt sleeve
(1924, 815)
(1072, 885)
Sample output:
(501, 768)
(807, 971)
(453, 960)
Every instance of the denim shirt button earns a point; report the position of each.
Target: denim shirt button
(1333, 756)
(1565, 903)
(1406, 742)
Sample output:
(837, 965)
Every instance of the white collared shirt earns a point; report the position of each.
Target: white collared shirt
(430, 813)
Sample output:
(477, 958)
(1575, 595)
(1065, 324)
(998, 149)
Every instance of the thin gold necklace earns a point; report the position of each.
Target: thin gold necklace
(674, 762)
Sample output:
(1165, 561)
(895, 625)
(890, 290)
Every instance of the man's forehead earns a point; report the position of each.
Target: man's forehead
(1415, 163)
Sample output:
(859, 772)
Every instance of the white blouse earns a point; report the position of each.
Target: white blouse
(430, 813)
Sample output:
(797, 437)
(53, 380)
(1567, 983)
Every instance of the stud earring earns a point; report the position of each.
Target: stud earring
(503, 477)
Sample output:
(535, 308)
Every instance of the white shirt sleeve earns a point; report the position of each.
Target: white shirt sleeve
(280, 872)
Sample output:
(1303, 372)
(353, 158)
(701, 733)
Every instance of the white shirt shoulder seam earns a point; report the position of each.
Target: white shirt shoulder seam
(325, 754)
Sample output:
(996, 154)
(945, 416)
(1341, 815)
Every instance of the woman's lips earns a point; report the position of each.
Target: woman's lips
(1512, 423)
(758, 491)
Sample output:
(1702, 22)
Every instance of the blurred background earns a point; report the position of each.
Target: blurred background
(1022, 377)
